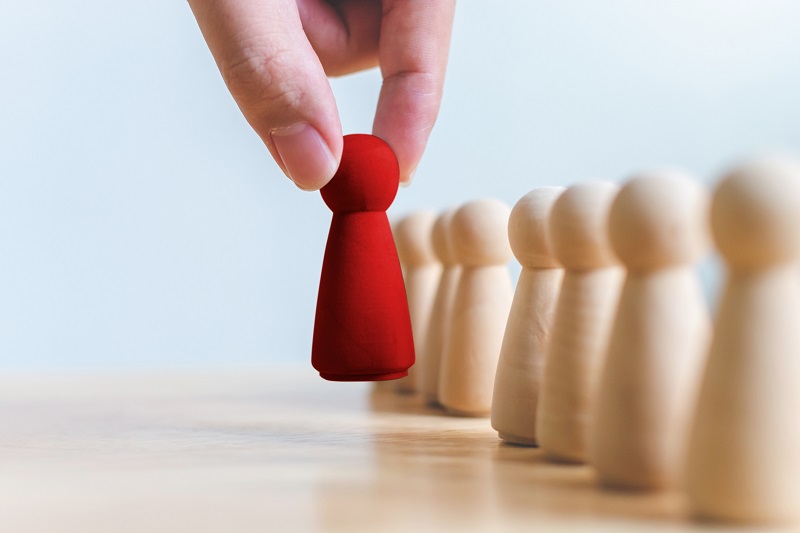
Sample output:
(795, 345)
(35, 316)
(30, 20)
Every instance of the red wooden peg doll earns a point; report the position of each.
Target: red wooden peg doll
(362, 330)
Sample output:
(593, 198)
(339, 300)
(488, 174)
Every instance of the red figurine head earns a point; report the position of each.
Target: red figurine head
(367, 178)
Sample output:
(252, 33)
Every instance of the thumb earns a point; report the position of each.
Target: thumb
(277, 81)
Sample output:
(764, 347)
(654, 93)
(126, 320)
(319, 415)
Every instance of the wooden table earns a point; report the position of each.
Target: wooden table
(279, 450)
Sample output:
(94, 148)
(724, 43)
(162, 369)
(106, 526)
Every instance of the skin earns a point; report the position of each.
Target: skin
(276, 55)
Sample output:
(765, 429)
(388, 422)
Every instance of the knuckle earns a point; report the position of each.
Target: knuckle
(264, 80)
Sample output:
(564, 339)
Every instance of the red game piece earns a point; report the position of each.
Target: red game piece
(362, 330)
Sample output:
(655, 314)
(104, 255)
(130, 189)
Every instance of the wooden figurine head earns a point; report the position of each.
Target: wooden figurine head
(578, 226)
(658, 220)
(755, 216)
(528, 228)
(479, 232)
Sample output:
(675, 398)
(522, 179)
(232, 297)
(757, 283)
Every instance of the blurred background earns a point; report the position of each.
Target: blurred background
(143, 224)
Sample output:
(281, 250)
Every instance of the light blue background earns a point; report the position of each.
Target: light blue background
(143, 224)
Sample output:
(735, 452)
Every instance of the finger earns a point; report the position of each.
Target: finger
(278, 82)
(413, 49)
(344, 33)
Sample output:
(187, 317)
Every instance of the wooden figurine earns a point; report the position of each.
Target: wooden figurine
(658, 229)
(437, 333)
(744, 452)
(583, 318)
(422, 271)
(480, 309)
(519, 370)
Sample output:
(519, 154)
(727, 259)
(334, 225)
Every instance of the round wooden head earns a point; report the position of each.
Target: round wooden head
(479, 233)
(579, 226)
(367, 178)
(755, 213)
(659, 219)
(412, 235)
(440, 238)
(528, 230)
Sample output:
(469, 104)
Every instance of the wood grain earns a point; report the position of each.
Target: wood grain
(279, 450)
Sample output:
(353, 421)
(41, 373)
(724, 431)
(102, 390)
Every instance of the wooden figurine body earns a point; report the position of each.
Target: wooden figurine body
(523, 352)
(422, 271)
(583, 319)
(362, 328)
(480, 309)
(744, 452)
(437, 333)
(657, 228)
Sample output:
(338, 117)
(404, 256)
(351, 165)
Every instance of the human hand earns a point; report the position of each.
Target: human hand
(275, 56)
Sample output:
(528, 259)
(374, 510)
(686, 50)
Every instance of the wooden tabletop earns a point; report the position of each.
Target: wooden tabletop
(279, 450)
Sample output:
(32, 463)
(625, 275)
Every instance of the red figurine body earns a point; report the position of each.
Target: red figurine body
(362, 330)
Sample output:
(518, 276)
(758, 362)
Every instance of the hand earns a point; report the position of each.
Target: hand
(275, 56)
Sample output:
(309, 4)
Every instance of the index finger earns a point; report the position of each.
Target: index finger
(413, 49)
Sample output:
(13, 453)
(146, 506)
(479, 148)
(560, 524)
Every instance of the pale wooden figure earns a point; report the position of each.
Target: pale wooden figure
(519, 370)
(658, 229)
(422, 270)
(483, 298)
(744, 452)
(583, 319)
(438, 325)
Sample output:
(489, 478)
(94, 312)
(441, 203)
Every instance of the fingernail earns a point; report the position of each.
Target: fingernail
(405, 182)
(308, 161)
